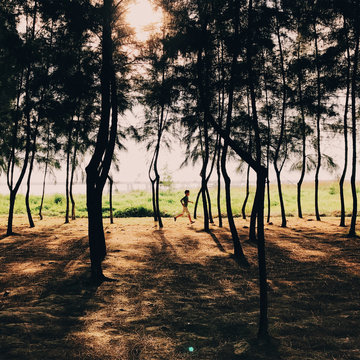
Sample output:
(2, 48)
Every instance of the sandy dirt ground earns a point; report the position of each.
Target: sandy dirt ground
(178, 293)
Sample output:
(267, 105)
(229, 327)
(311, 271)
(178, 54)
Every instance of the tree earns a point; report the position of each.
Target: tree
(282, 136)
(21, 119)
(157, 94)
(98, 168)
(345, 121)
(354, 80)
(10, 44)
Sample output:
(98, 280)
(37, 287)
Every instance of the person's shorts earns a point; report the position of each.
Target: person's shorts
(185, 210)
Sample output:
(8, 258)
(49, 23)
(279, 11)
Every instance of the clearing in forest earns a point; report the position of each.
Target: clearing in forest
(178, 293)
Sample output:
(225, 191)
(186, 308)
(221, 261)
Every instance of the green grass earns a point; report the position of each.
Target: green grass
(139, 203)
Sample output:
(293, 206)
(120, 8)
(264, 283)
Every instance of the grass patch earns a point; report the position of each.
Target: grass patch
(139, 203)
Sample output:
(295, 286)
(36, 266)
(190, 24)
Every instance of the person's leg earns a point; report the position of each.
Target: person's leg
(175, 217)
(189, 216)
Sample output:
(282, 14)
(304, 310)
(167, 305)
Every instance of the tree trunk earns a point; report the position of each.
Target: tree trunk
(43, 191)
(203, 176)
(152, 181)
(73, 214)
(211, 220)
(221, 105)
(67, 178)
(318, 117)
(205, 159)
(99, 165)
(263, 319)
(219, 183)
(342, 179)
(282, 128)
(268, 199)
(268, 165)
(96, 232)
(253, 216)
(157, 182)
(352, 231)
(196, 203)
(205, 208)
(282, 207)
(161, 124)
(27, 195)
(260, 185)
(238, 251)
(303, 133)
(45, 173)
(73, 167)
(153, 199)
(207, 191)
(243, 209)
(11, 213)
(110, 200)
(205, 105)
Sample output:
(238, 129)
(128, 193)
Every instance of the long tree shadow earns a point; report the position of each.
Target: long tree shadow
(211, 307)
(198, 307)
(314, 296)
(217, 242)
(47, 295)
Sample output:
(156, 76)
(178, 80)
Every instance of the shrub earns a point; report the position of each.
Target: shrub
(58, 199)
(138, 211)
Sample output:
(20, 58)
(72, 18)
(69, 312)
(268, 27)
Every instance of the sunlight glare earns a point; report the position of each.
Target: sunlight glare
(144, 18)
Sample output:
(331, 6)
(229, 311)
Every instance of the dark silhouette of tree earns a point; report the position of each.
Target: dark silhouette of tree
(40, 95)
(98, 168)
(157, 93)
(111, 216)
(22, 112)
(345, 122)
(282, 137)
(354, 79)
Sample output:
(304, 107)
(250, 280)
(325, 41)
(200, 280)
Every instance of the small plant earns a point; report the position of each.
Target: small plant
(332, 190)
(58, 199)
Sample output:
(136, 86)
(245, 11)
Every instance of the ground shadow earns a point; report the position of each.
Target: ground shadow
(179, 296)
(217, 242)
(191, 309)
(48, 294)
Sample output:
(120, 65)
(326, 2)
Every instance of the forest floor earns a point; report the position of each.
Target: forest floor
(178, 292)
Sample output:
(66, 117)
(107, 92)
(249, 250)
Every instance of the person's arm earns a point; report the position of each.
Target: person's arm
(182, 201)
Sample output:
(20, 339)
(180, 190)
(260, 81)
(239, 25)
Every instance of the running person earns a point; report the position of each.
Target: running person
(184, 202)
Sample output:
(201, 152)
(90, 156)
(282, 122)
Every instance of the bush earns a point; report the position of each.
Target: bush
(58, 199)
(138, 211)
